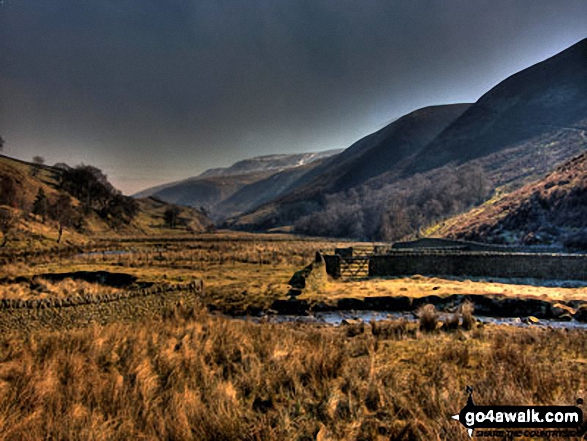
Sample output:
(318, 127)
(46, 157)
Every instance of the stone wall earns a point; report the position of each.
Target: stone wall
(449, 244)
(455, 263)
(332, 265)
(74, 312)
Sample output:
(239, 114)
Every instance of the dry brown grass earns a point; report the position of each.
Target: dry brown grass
(240, 271)
(41, 288)
(428, 318)
(194, 376)
(419, 286)
(466, 312)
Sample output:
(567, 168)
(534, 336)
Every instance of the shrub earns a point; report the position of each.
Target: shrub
(451, 322)
(428, 318)
(467, 309)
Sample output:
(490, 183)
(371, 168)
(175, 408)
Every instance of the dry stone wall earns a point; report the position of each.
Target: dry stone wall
(74, 312)
(480, 264)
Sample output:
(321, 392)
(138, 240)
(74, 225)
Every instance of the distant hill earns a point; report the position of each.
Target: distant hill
(215, 186)
(21, 183)
(516, 132)
(269, 162)
(204, 192)
(261, 191)
(549, 211)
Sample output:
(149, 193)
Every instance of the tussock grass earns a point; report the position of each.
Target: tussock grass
(194, 376)
(241, 273)
(466, 312)
(428, 318)
(41, 288)
(202, 254)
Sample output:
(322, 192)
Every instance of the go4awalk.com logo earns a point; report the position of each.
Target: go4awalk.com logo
(516, 421)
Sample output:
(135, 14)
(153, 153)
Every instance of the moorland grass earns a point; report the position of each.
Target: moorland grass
(193, 376)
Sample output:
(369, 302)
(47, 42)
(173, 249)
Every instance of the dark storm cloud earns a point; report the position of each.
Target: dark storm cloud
(159, 90)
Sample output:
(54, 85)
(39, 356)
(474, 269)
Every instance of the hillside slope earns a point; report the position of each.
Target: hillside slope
(516, 132)
(545, 98)
(214, 188)
(259, 192)
(204, 192)
(23, 227)
(550, 211)
(269, 162)
(364, 160)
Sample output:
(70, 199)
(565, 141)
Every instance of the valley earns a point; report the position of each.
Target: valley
(210, 308)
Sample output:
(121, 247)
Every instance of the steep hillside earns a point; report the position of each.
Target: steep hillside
(37, 208)
(516, 132)
(544, 99)
(552, 210)
(259, 192)
(27, 178)
(214, 188)
(364, 160)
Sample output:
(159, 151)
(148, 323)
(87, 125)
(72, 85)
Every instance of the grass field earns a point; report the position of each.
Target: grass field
(239, 270)
(419, 286)
(200, 377)
(192, 375)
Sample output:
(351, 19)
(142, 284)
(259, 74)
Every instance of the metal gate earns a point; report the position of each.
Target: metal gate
(354, 261)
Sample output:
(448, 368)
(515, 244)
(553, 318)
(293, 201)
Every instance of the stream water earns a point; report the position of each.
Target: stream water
(336, 317)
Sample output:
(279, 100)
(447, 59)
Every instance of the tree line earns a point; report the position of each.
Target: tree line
(400, 209)
(88, 184)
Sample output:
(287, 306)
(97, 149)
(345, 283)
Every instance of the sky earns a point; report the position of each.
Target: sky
(157, 91)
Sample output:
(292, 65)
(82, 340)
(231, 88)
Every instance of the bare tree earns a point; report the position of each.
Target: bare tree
(38, 161)
(63, 212)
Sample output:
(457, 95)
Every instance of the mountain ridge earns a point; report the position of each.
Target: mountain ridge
(212, 187)
(519, 129)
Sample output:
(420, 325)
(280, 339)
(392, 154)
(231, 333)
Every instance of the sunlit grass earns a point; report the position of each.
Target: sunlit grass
(195, 376)
(40, 288)
(198, 377)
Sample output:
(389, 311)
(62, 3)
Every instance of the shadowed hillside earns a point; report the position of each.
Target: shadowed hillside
(519, 130)
(552, 210)
(364, 160)
(204, 191)
(546, 98)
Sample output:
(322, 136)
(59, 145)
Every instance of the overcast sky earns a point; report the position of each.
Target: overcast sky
(154, 91)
